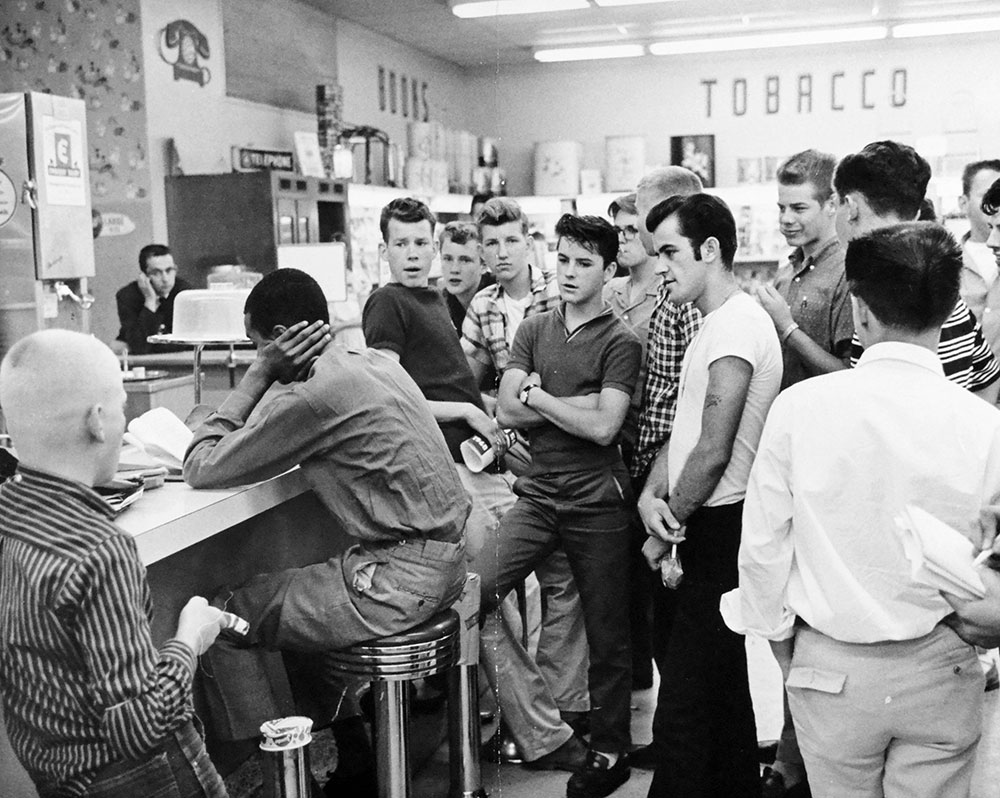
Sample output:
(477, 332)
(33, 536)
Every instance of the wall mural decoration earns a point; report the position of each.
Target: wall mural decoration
(90, 49)
(181, 45)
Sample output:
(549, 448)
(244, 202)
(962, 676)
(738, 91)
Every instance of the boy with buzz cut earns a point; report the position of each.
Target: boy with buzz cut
(569, 381)
(92, 706)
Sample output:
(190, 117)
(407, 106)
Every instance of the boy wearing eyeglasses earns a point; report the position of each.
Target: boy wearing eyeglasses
(632, 297)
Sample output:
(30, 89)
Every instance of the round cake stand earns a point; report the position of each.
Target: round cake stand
(199, 344)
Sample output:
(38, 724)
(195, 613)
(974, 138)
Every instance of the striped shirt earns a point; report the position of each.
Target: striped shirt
(484, 332)
(83, 685)
(671, 328)
(962, 349)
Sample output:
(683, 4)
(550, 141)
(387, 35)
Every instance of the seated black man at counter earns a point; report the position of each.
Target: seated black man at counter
(91, 706)
(146, 305)
(366, 441)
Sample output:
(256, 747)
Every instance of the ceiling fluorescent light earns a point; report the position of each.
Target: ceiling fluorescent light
(608, 3)
(722, 44)
(909, 30)
(499, 8)
(590, 53)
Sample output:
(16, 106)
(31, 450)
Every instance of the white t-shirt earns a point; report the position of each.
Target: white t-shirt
(513, 310)
(739, 328)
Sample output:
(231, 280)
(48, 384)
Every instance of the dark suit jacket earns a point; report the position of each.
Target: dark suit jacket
(138, 322)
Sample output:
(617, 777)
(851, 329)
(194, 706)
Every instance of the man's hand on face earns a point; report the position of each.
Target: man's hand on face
(151, 300)
(289, 357)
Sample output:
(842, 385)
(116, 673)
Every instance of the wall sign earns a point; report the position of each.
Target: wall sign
(410, 91)
(62, 153)
(246, 159)
(188, 44)
(115, 224)
(840, 90)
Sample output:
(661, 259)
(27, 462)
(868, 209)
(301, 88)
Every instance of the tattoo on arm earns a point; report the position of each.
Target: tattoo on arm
(713, 400)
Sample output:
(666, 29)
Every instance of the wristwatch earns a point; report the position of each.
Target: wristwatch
(524, 393)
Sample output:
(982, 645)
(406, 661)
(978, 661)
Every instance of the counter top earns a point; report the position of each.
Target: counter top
(244, 354)
(168, 519)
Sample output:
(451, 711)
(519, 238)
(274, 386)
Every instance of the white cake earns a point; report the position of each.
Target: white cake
(209, 315)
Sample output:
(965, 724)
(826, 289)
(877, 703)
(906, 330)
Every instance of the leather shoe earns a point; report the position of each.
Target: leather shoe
(645, 757)
(569, 756)
(598, 777)
(500, 748)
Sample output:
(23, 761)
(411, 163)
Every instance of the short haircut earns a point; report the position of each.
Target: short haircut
(907, 274)
(406, 210)
(991, 199)
(460, 233)
(668, 181)
(151, 251)
(971, 170)
(285, 297)
(501, 210)
(699, 217)
(593, 233)
(927, 211)
(810, 166)
(891, 176)
(624, 204)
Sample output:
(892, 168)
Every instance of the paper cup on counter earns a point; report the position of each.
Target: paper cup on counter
(479, 453)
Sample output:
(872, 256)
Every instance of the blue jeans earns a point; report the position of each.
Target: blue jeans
(583, 513)
(526, 696)
(178, 768)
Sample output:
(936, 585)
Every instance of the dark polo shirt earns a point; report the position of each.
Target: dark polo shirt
(603, 353)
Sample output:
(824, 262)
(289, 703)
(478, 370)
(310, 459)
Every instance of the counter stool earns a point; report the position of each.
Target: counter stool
(448, 642)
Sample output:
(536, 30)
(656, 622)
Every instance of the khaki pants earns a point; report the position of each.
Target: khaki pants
(895, 719)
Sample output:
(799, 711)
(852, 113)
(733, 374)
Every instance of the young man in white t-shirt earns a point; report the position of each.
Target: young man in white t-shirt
(693, 498)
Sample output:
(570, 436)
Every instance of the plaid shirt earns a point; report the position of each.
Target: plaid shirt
(671, 328)
(484, 332)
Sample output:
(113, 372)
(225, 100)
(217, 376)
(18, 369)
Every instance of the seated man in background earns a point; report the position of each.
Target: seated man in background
(146, 305)
(886, 699)
(91, 706)
(369, 447)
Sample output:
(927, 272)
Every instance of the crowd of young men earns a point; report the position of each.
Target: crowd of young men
(668, 418)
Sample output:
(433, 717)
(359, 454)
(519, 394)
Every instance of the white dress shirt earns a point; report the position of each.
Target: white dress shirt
(840, 456)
